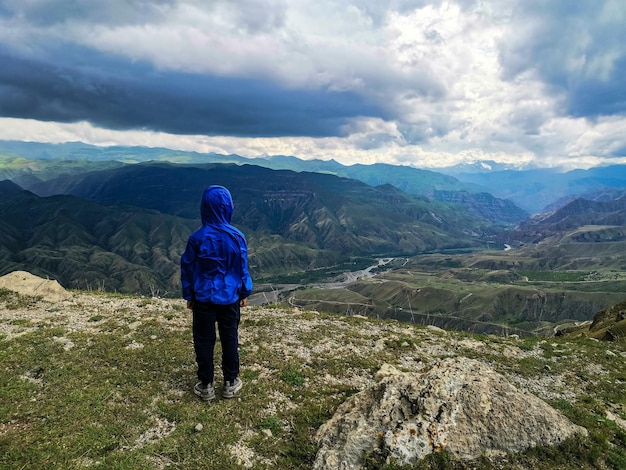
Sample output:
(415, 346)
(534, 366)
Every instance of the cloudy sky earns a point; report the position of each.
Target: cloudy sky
(410, 82)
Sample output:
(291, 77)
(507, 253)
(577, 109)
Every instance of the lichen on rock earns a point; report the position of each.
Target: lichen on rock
(459, 405)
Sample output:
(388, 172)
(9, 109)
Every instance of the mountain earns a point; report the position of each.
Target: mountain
(9, 188)
(129, 225)
(86, 245)
(597, 194)
(578, 220)
(323, 211)
(533, 190)
(79, 151)
(28, 173)
(530, 189)
(484, 205)
(408, 179)
(481, 166)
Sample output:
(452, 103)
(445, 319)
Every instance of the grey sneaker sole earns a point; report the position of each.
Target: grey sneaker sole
(206, 396)
(230, 392)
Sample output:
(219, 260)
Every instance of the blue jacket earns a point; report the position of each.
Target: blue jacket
(214, 266)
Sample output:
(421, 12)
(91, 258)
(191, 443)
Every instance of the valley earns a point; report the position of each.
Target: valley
(395, 243)
(491, 292)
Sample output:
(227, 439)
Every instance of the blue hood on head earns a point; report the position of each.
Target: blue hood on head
(217, 206)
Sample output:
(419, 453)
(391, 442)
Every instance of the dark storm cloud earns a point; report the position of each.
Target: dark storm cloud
(578, 48)
(123, 95)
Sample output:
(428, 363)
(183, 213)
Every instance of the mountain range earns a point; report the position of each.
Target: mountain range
(120, 225)
(135, 218)
(529, 189)
(86, 245)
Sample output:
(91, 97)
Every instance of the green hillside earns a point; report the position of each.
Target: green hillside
(90, 246)
(321, 211)
(105, 381)
(126, 230)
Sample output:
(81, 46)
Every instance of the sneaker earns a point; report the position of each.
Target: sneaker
(205, 393)
(231, 387)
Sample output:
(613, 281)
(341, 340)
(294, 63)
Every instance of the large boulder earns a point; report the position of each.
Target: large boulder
(459, 405)
(26, 283)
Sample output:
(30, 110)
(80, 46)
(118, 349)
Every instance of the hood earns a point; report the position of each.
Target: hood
(217, 206)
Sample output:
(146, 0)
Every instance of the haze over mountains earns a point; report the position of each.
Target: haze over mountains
(118, 218)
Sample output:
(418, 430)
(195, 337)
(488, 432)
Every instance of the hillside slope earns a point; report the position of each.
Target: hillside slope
(106, 380)
(124, 229)
(322, 211)
(92, 246)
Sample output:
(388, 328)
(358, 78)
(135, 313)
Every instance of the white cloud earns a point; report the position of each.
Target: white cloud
(575, 143)
(458, 80)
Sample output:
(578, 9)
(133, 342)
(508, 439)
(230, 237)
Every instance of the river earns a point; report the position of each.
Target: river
(278, 291)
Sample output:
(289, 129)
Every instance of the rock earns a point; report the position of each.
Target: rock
(609, 335)
(25, 283)
(379, 345)
(386, 370)
(436, 329)
(616, 419)
(459, 405)
(198, 427)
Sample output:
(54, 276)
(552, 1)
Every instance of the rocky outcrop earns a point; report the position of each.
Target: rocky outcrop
(459, 405)
(26, 283)
(608, 324)
(484, 205)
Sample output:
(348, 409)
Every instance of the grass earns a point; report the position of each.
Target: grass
(13, 301)
(121, 398)
(557, 276)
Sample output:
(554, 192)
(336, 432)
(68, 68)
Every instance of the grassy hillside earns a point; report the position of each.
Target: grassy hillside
(526, 291)
(90, 246)
(105, 381)
(323, 212)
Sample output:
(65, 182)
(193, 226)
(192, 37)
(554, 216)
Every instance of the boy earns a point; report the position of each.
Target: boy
(216, 283)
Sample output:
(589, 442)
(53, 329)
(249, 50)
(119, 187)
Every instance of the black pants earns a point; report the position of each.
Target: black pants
(204, 318)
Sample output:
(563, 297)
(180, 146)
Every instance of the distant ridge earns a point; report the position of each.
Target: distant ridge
(484, 205)
(534, 190)
(409, 179)
(579, 213)
(9, 188)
